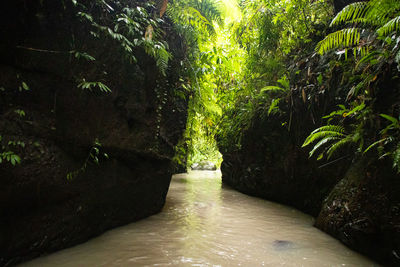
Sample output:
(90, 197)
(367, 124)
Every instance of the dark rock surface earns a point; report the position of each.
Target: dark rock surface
(363, 211)
(137, 125)
(271, 164)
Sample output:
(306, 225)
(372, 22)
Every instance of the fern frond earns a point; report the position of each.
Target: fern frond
(90, 85)
(199, 14)
(389, 27)
(381, 11)
(316, 136)
(335, 128)
(350, 13)
(380, 141)
(162, 58)
(368, 58)
(273, 108)
(342, 38)
(338, 145)
(322, 142)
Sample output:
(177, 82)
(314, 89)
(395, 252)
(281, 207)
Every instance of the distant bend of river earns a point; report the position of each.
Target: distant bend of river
(206, 224)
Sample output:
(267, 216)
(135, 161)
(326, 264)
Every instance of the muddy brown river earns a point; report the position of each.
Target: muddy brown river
(206, 224)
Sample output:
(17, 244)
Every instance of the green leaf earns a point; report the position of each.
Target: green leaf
(273, 108)
(25, 86)
(271, 88)
(350, 13)
(389, 27)
(321, 143)
(284, 82)
(338, 145)
(319, 79)
(375, 144)
(20, 112)
(324, 131)
(390, 118)
(342, 38)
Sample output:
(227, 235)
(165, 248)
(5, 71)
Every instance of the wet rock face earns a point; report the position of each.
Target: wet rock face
(363, 211)
(137, 126)
(271, 164)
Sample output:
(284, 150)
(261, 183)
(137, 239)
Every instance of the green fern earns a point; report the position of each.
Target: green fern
(199, 14)
(324, 131)
(339, 144)
(333, 137)
(339, 39)
(381, 17)
(322, 142)
(389, 27)
(274, 107)
(388, 144)
(382, 141)
(350, 13)
(91, 85)
(162, 57)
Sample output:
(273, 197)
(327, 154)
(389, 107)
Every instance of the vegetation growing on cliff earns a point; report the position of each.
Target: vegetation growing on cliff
(248, 57)
(127, 29)
(372, 34)
(238, 69)
(253, 63)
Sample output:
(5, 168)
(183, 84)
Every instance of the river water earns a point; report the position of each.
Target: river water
(206, 224)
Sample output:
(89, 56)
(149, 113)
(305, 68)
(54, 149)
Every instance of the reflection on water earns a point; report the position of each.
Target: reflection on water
(204, 224)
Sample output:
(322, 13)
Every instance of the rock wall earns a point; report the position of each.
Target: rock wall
(356, 202)
(65, 128)
(271, 164)
(363, 210)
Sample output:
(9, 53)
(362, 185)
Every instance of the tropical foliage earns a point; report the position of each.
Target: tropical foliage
(125, 28)
(372, 32)
(237, 67)
(240, 68)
